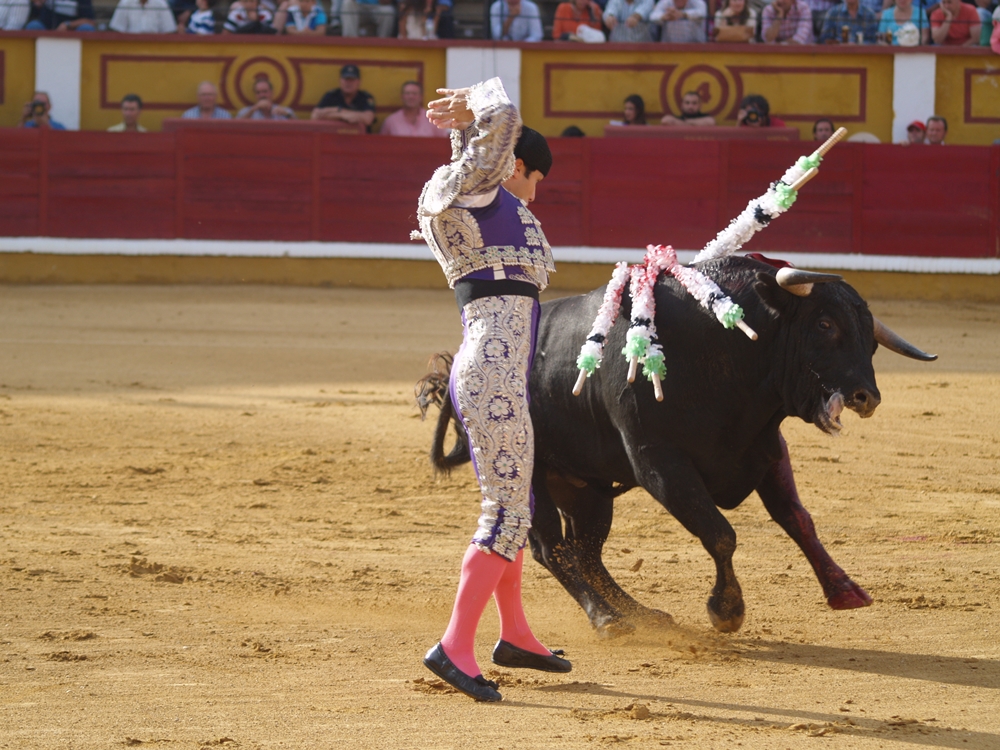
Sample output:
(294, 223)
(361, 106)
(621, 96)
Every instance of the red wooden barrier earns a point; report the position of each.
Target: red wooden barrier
(211, 184)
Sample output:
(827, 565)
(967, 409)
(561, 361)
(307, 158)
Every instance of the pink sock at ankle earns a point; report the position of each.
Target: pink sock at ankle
(480, 574)
(513, 624)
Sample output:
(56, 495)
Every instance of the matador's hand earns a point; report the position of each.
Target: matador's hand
(452, 111)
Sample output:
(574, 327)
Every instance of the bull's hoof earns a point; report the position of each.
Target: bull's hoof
(613, 627)
(850, 598)
(729, 622)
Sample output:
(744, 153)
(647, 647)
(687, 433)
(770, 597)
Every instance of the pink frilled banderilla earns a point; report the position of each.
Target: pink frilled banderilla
(641, 345)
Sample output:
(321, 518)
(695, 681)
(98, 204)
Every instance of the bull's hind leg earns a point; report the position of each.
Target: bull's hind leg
(680, 490)
(588, 523)
(574, 557)
(781, 499)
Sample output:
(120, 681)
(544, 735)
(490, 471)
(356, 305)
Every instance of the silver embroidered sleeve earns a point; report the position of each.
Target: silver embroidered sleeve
(482, 155)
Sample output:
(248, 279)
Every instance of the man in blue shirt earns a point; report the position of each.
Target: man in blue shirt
(515, 21)
(36, 113)
(860, 23)
(63, 15)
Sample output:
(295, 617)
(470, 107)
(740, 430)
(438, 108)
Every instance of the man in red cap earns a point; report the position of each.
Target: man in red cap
(915, 133)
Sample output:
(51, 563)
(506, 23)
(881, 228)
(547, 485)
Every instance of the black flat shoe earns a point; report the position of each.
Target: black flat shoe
(477, 687)
(508, 655)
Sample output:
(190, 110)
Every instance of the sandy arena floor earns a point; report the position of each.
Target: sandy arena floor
(219, 529)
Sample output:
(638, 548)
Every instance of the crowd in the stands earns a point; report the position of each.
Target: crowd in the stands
(890, 22)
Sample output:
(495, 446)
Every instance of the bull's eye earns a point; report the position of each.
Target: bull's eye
(824, 325)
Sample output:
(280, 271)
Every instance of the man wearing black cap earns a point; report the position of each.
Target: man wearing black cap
(474, 215)
(349, 103)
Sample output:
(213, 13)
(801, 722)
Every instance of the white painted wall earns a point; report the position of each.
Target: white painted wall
(466, 66)
(913, 93)
(58, 71)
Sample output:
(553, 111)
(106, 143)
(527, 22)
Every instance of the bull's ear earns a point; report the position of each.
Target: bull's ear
(775, 298)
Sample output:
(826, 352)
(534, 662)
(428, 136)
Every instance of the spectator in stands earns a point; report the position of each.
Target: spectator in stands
(985, 10)
(143, 17)
(572, 132)
(915, 133)
(444, 19)
(349, 103)
(755, 112)
(852, 20)
(36, 113)
(63, 15)
(201, 21)
(819, 9)
(787, 22)
(249, 17)
(735, 21)
(302, 17)
(822, 129)
(515, 21)
(877, 6)
(904, 11)
(683, 20)
(412, 20)
(995, 36)
(572, 15)
(628, 20)
(207, 107)
(955, 23)
(131, 109)
(633, 111)
(411, 120)
(264, 108)
(937, 129)
(691, 113)
(355, 12)
(14, 14)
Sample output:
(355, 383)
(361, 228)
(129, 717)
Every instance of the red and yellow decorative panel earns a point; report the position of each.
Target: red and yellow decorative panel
(587, 89)
(166, 75)
(968, 96)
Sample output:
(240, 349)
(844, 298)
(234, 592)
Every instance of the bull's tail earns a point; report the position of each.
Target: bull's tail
(433, 389)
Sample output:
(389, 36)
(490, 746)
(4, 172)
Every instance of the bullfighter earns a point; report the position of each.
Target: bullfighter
(474, 215)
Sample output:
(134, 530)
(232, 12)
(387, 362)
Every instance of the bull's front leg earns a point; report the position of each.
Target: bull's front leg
(781, 498)
(679, 488)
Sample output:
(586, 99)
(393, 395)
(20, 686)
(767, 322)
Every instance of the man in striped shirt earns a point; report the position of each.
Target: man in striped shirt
(206, 108)
(787, 22)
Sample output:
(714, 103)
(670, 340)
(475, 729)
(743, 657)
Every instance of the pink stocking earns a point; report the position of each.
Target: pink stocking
(513, 624)
(480, 575)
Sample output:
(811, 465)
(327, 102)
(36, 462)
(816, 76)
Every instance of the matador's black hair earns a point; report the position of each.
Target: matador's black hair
(533, 150)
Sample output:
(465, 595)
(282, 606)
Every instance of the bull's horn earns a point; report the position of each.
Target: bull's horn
(800, 282)
(896, 343)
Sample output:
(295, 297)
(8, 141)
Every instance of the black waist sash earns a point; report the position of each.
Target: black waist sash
(467, 290)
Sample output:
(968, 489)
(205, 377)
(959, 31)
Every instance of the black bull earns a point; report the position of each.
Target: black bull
(713, 439)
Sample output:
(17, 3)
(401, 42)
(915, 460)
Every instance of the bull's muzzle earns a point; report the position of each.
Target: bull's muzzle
(863, 401)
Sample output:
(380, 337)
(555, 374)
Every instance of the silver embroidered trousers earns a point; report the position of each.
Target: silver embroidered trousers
(489, 388)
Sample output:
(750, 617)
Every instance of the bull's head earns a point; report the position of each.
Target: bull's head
(833, 336)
